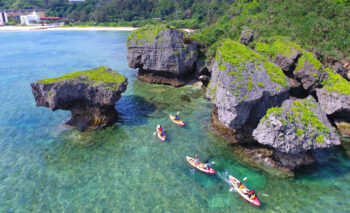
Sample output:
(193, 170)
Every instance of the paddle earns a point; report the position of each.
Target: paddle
(244, 179)
(178, 112)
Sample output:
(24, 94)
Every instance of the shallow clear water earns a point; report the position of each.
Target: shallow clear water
(124, 168)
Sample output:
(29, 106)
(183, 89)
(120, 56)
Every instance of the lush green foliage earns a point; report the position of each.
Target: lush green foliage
(238, 55)
(147, 33)
(316, 25)
(280, 46)
(308, 57)
(336, 83)
(184, 13)
(98, 75)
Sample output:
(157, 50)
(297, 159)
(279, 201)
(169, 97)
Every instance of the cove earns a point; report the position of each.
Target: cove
(124, 168)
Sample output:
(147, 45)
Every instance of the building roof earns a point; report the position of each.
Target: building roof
(50, 18)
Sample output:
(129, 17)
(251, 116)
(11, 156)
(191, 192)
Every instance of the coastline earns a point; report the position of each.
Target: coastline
(59, 28)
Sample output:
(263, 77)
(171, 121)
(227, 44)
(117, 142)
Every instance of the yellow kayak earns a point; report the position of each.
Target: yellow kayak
(178, 122)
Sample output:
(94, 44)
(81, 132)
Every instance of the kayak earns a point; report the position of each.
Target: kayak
(243, 192)
(162, 138)
(178, 122)
(200, 166)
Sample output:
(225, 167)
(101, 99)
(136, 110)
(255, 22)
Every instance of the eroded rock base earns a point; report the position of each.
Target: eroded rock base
(253, 154)
(163, 78)
(92, 118)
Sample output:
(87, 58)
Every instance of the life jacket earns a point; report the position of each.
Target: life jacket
(241, 186)
(252, 196)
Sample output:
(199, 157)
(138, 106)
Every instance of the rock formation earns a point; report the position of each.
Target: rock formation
(162, 54)
(244, 85)
(309, 71)
(247, 36)
(295, 128)
(89, 95)
(334, 96)
(282, 52)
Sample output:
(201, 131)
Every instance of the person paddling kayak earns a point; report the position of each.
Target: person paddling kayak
(196, 162)
(251, 194)
(207, 165)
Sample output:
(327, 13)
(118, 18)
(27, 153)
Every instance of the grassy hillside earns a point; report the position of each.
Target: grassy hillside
(317, 25)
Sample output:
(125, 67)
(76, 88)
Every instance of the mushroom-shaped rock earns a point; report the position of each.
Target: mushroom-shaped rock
(309, 71)
(163, 54)
(296, 127)
(281, 51)
(334, 96)
(90, 96)
(244, 85)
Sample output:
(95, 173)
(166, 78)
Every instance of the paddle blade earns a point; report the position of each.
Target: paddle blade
(213, 162)
(244, 179)
(265, 195)
(154, 133)
(178, 112)
(231, 190)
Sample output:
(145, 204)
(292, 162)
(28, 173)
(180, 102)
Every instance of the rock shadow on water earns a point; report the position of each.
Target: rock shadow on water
(330, 163)
(134, 110)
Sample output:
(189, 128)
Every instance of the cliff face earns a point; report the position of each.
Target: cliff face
(162, 54)
(89, 95)
(254, 110)
(244, 85)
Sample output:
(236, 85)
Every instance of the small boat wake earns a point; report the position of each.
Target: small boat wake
(224, 177)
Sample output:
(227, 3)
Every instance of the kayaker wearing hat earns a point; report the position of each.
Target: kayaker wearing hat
(251, 194)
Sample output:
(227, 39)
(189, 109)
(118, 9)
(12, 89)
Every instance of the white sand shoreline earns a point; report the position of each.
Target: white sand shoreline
(59, 28)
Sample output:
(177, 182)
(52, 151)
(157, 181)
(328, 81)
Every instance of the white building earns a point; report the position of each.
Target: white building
(30, 19)
(3, 18)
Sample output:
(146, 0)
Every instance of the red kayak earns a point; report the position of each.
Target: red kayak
(161, 137)
(200, 166)
(243, 191)
(178, 122)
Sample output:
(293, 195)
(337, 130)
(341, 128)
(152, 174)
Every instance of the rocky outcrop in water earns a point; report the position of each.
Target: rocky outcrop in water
(89, 95)
(244, 85)
(162, 54)
(293, 130)
(296, 127)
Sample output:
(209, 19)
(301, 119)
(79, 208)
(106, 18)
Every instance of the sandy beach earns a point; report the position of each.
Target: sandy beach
(59, 28)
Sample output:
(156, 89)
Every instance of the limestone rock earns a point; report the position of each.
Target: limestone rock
(89, 95)
(244, 85)
(247, 36)
(162, 54)
(309, 71)
(282, 52)
(296, 127)
(334, 96)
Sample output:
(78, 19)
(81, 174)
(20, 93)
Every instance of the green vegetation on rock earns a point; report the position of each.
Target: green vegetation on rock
(238, 55)
(308, 57)
(147, 33)
(280, 46)
(300, 111)
(336, 83)
(317, 25)
(98, 75)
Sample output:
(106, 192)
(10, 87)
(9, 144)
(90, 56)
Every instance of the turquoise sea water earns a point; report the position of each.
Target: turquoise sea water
(124, 168)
